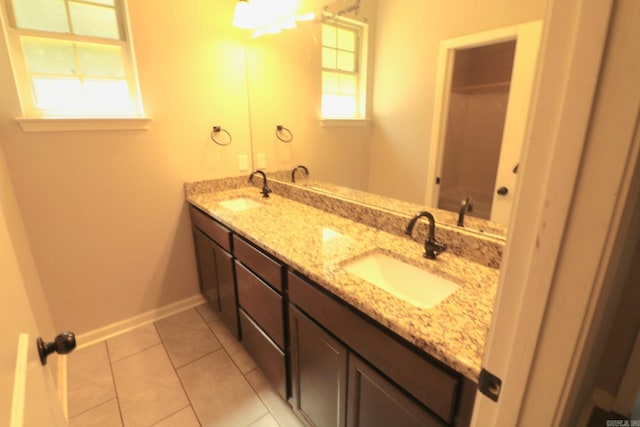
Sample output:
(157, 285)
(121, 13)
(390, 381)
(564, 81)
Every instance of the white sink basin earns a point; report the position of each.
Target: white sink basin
(405, 281)
(240, 204)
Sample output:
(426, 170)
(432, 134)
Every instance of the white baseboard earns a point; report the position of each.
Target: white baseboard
(600, 398)
(117, 328)
(603, 399)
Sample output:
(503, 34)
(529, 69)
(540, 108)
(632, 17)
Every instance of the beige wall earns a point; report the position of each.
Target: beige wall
(104, 212)
(407, 36)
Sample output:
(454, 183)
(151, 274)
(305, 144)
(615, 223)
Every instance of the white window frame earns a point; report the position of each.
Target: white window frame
(360, 118)
(36, 119)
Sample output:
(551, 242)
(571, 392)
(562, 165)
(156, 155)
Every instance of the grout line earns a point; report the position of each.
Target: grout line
(175, 370)
(172, 414)
(113, 380)
(261, 399)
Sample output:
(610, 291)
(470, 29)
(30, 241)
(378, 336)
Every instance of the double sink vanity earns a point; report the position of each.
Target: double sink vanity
(338, 306)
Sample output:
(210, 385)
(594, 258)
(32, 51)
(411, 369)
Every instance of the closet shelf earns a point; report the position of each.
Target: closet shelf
(481, 87)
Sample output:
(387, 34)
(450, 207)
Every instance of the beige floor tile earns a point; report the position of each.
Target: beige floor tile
(267, 421)
(207, 313)
(89, 378)
(240, 357)
(218, 392)
(183, 418)
(132, 342)
(278, 407)
(105, 415)
(148, 388)
(186, 337)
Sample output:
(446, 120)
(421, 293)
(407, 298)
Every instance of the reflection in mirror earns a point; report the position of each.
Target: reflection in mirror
(389, 152)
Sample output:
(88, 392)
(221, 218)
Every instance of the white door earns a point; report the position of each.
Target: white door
(28, 394)
(527, 38)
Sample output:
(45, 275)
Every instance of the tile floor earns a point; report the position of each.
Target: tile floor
(184, 370)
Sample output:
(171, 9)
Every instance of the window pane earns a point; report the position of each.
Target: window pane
(49, 56)
(57, 93)
(338, 106)
(329, 35)
(329, 82)
(108, 94)
(346, 61)
(100, 60)
(348, 85)
(346, 40)
(97, 21)
(328, 58)
(45, 15)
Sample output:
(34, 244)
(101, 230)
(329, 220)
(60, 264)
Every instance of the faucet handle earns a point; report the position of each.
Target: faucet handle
(432, 248)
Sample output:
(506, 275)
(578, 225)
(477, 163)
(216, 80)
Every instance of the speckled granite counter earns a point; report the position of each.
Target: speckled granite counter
(303, 237)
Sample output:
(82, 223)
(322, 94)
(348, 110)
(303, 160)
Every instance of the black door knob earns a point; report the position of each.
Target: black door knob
(503, 191)
(63, 344)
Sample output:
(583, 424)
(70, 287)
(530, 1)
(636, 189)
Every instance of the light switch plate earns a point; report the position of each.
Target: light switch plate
(243, 162)
(262, 161)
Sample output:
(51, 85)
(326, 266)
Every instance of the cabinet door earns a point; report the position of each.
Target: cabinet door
(318, 373)
(227, 298)
(376, 402)
(206, 268)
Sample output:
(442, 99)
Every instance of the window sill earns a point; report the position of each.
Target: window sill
(66, 124)
(345, 122)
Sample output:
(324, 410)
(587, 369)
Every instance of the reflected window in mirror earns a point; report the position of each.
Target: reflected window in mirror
(343, 73)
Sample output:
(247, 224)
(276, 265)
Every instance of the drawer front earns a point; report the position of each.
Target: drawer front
(216, 231)
(260, 263)
(262, 303)
(266, 354)
(432, 386)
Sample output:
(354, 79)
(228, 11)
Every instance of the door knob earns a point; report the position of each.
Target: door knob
(503, 191)
(64, 343)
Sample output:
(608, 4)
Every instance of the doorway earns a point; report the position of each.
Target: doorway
(483, 94)
(478, 102)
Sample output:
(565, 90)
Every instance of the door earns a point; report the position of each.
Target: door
(508, 134)
(28, 395)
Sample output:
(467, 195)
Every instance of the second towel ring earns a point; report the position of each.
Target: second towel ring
(280, 129)
(218, 129)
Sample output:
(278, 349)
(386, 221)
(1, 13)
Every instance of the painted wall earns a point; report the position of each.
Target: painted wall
(405, 75)
(104, 211)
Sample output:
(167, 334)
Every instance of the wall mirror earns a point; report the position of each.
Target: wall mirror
(403, 143)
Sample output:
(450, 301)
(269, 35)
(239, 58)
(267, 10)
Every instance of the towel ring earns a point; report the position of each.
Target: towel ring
(218, 129)
(280, 129)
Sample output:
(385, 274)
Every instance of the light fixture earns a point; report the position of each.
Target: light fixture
(242, 17)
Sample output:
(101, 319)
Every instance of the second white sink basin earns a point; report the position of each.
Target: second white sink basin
(405, 281)
(240, 204)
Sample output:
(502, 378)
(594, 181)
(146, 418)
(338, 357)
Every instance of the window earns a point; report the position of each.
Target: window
(72, 58)
(343, 69)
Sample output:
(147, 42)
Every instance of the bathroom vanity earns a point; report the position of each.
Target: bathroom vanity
(339, 349)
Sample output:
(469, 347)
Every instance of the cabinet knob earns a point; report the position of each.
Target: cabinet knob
(503, 191)
(64, 343)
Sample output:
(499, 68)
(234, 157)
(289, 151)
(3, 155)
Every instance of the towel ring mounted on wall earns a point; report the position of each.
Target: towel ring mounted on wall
(283, 130)
(216, 130)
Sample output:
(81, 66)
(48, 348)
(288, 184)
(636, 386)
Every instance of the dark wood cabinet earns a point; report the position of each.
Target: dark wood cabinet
(336, 366)
(215, 268)
(376, 402)
(260, 284)
(318, 373)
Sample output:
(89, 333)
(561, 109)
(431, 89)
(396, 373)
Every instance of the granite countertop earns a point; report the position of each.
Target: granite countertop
(305, 238)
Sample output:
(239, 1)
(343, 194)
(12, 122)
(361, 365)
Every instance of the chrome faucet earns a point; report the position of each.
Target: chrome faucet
(465, 206)
(265, 187)
(301, 167)
(431, 246)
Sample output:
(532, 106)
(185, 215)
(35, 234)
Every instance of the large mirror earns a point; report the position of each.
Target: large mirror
(402, 146)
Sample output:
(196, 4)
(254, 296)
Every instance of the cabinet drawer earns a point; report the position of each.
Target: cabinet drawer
(216, 231)
(262, 303)
(266, 354)
(260, 263)
(432, 386)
